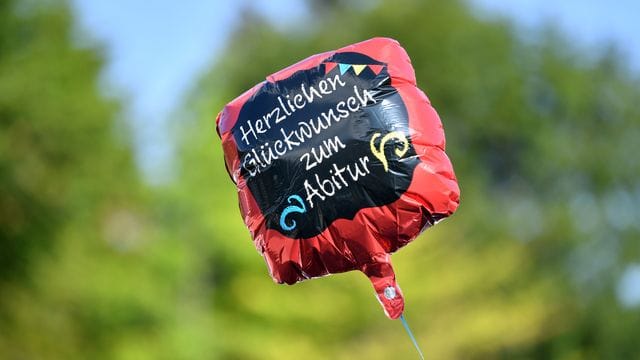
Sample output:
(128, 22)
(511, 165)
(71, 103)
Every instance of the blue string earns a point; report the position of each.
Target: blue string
(413, 339)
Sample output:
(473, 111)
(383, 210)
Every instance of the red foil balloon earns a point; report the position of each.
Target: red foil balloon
(339, 161)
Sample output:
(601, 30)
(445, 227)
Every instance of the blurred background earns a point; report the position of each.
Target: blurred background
(120, 234)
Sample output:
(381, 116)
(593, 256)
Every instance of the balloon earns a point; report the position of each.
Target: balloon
(339, 161)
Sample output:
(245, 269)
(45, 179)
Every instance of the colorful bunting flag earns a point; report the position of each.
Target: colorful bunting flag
(376, 68)
(328, 66)
(344, 68)
(357, 68)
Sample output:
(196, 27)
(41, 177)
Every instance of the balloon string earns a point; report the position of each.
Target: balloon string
(413, 339)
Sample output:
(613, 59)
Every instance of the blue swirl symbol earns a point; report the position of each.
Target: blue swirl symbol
(295, 209)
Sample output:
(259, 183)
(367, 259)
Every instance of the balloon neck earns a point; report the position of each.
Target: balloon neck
(387, 290)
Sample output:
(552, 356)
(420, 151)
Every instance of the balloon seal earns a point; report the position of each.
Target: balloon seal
(390, 293)
(413, 339)
(387, 290)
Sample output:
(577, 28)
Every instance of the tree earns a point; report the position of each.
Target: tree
(60, 147)
(66, 172)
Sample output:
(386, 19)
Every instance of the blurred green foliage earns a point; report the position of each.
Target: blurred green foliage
(96, 265)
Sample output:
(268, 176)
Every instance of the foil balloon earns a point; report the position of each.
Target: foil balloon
(339, 161)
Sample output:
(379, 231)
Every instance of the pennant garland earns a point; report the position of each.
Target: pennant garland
(357, 68)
